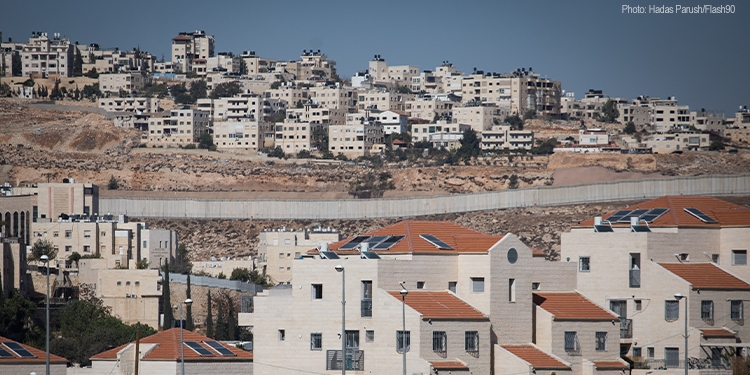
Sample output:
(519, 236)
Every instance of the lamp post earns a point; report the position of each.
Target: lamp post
(187, 302)
(340, 268)
(678, 297)
(45, 260)
(404, 292)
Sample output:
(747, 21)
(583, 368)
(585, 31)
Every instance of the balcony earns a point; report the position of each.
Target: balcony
(635, 278)
(626, 328)
(366, 307)
(355, 360)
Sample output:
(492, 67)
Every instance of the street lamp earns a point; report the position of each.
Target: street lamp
(340, 268)
(404, 292)
(45, 260)
(187, 302)
(678, 297)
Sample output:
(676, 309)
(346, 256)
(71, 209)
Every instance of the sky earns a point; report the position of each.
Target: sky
(701, 59)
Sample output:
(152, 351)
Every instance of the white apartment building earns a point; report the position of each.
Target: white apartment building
(424, 132)
(122, 82)
(479, 117)
(42, 56)
(223, 62)
(138, 105)
(393, 122)
(178, 127)
(665, 114)
(502, 137)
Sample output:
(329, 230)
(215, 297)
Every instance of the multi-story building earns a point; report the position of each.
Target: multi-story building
(665, 114)
(334, 96)
(42, 56)
(429, 107)
(315, 113)
(10, 59)
(188, 46)
(288, 92)
(178, 127)
(256, 65)
(393, 122)
(708, 121)
(739, 131)
(400, 75)
(450, 78)
(223, 62)
(54, 199)
(114, 60)
(637, 112)
(278, 248)
(12, 265)
(636, 260)
(311, 66)
(424, 132)
(248, 134)
(503, 137)
(122, 82)
(136, 105)
(593, 137)
(294, 135)
(479, 117)
(677, 142)
(355, 138)
(520, 91)
(382, 100)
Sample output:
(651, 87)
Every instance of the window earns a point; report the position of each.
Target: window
(403, 339)
(584, 264)
(650, 352)
(281, 255)
(511, 290)
(420, 284)
(707, 311)
(715, 258)
(317, 291)
(55, 234)
(672, 357)
(369, 336)
(452, 286)
(68, 249)
(638, 305)
(316, 341)
(352, 339)
(535, 286)
(637, 353)
(439, 341)
(68, 234)
(103, 234)
(571, 342)
(86, 248)
(683, 257)
(601, 341)
(737, 311)
(671, 310)
(119, 283)
(87, 234)
(739, 257)
(477, 284)
(471, 341)
(145, 243)
(282, 335)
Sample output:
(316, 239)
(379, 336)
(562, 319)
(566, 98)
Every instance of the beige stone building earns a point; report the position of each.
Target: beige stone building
(10, 59)
(12, 266)
(355, 139)
(503, 137)
(16, 212)
(189, 46)
(278, 248)
(676, 142)
(178, 127)
(520, 91)
(708, 121)
(739, 131)
(312, 66)
(593, 137)
(382, 100)
(241, 134)
(224, 63)
(122, 82)
(294, 136)
(479, 117)
(316, 113)
(138, 105)
(43, 56)
(393, 122)
(69, 197)
(424, 132)
(256, 65)
(429, 107)
(635, 260)
(334, 97)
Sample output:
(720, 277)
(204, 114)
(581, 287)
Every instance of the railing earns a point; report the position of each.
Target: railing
(693, 364)
(366, 307)
(355, 360)
(626, 328)
(635, 278)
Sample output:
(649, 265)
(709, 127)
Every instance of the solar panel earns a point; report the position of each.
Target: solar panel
(215, 345)
(636, 213)
(700, 215)
(388, 243)
(654, 214)
(369, 255)
(18, 349)
(374, 240)
(351, 245)
(329, 255)
(618, 215)
(603, 228)
(198, 349)
(640, 228)
(5, 354)
(435, 241)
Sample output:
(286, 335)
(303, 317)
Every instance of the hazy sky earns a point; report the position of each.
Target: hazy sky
(702, 59)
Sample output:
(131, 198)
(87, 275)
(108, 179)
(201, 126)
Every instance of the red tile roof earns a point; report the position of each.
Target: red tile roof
(536, 357)
(727, 214)
(40, 355)
(168, 348)
(462, 239)
(616, 364)
(571, 306)
(720, 332)
(706, 276)
(449, 365)
(440, 305)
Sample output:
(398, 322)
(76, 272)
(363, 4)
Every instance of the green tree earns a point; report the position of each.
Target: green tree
(56, 94)
(320, 138)
(515, 121)
(717, 144)
(189, 314)
(92, 73)
(77, 64)
(529, 114)
(209, 317)
(5, 90)
(221, 276)
(166, 299)
(222, 328)
(545, 148)
(182, 264)
(206, 141)
(226, 90)
(277, 153)
(42, 247)
(304, 154)
(629, 127)
(243, 67)
(142, 264)
(275, 85)
(610, 112)
(231, 319)
(404, 90)
(513, 182)
(15, 316)
(469, 145)
(73, 258)
(112, 184)
(198, 90)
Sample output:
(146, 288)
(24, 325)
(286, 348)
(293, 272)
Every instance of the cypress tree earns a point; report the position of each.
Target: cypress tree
(209, 318)
(231, 320)
(166, 299)
(221, 323)
(189, 315)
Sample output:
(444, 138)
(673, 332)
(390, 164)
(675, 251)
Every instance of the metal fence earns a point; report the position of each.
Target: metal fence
(354, 209)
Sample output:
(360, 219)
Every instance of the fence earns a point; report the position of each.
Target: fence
(354, 209)
(216, 283)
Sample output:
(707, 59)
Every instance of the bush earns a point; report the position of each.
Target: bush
(113, 185)
(304, 154)
(277, 153)
(191, 146)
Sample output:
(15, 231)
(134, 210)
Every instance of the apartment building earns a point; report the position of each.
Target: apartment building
(520, 91)
(393, 122)
(288, 92)
(355, 139)
(334, 96)
(636, 112)
(399, 75)
(68, 197)
(122, 82)
(383, 100)
(278, 248)
(257, 65)
(312, 66)
(665, 114)
(315, 113)
(739, 131)
(223, 62)
(450, 78)
(479, 116)
(637, 259)
(593, 137)
(424, 132)
(137, 105)
(114, 60)
(245, 134)
(676, 142)
(590, 106)
(503, 137)
(42, 56)
(188, 46)
(10, 59)
(293, 135)
(178, 127)
(428, 107)
(708, 121)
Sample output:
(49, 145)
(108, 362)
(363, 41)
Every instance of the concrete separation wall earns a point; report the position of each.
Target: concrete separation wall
(352, 209)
